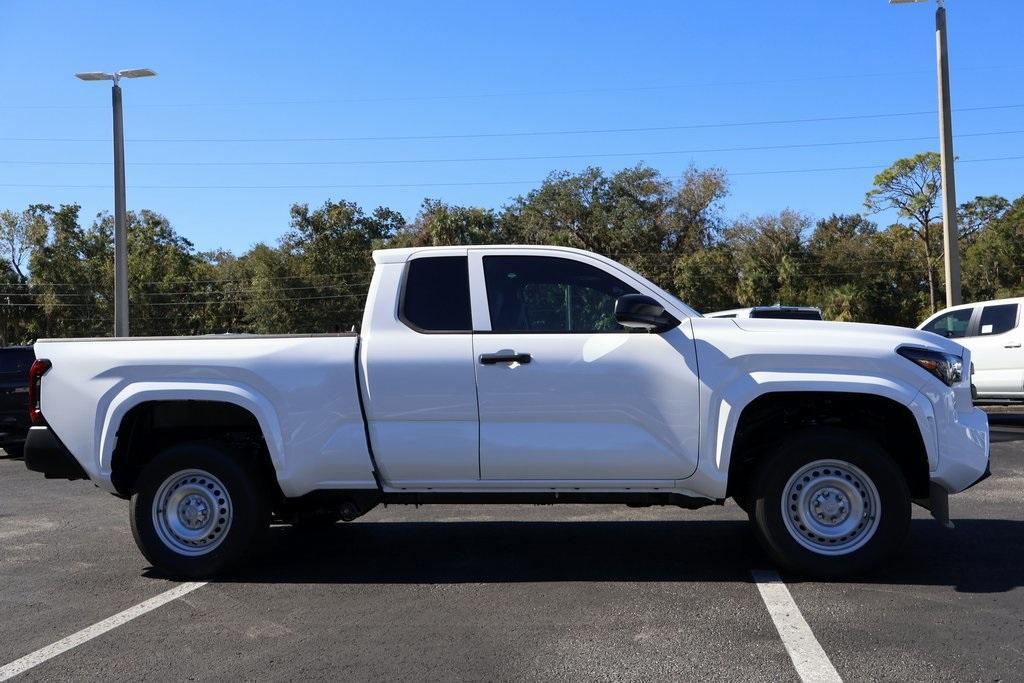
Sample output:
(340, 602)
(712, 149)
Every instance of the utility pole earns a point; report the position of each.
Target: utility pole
(120, 218)
(950, 235)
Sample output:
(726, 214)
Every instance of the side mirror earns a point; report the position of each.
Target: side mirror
(640, 310)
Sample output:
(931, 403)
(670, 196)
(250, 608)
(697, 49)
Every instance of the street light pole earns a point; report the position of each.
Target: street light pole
(121, 326)
(120, 222)
(950, 236)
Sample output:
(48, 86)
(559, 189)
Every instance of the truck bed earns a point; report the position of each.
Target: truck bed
(302, 389)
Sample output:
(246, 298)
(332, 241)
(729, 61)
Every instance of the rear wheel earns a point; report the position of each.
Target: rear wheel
(829, 502)
(197, 510)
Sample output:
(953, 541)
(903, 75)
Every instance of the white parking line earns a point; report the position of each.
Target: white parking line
(41, 655)
(809, 659)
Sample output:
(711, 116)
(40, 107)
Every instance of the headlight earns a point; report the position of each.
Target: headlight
(946, 366)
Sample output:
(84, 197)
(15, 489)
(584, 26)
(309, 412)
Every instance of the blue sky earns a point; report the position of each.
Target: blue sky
(391, 70)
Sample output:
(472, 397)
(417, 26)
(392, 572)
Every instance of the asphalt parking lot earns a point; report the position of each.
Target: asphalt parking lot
(512, 592)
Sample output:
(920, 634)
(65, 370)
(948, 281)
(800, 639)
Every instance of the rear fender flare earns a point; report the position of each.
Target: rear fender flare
(237, 394)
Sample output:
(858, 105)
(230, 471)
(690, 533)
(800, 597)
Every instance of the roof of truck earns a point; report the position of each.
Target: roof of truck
(403, 254)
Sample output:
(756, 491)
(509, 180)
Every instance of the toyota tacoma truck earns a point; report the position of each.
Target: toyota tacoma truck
(515, 374)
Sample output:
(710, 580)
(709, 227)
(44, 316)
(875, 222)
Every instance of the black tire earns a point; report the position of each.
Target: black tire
(247, 502)
(849, 456)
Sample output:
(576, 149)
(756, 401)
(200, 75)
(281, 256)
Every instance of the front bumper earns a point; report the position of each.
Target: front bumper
(963, 447)
(45, 453)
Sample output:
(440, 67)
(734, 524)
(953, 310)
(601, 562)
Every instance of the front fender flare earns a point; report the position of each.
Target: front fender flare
(724, 406)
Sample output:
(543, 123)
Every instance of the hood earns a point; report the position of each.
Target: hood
(817, 334)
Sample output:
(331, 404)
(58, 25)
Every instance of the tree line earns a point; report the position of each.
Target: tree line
(56, 279)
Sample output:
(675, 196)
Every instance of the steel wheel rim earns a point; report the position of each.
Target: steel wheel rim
(831, 507)
(192, 512)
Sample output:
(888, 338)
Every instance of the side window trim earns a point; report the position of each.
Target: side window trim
(972, 324)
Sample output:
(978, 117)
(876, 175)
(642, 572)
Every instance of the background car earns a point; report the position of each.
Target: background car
(14, 364)
(776, 311)
(992, 332)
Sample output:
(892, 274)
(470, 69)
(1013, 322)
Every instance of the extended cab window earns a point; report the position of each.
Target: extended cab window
(952, 325)
(997, 319)
(549, 294)
(435, 297)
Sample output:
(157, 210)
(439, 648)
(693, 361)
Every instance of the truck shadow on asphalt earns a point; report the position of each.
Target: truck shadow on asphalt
(979, 556)
(1006, 427)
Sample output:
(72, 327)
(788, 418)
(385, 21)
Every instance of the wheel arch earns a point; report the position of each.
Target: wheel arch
(162, 415)
(772, 416)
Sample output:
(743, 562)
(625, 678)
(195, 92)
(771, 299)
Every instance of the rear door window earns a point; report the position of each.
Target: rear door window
(952, 325)
(435, 297)
(997, 319)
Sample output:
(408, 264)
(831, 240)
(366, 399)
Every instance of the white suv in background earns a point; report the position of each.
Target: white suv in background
(992, 332)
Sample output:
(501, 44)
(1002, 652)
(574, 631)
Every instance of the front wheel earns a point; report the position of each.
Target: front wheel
(829, 502)
(197, 510)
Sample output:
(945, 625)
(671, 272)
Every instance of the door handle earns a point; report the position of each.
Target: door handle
(1012, 346)
(505, 357)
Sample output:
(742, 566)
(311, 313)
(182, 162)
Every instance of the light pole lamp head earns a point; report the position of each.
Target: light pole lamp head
(135, 73)
(116, 76)
(94, 76)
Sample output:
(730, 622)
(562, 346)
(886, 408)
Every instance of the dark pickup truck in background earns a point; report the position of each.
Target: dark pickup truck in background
(15, 362)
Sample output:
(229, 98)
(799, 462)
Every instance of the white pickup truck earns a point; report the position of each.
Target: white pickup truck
(515, 374)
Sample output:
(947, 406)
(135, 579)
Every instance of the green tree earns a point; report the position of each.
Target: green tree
(71, 274)
(913, 187)
(992, 262)
(328, 250)
(440, 224)
(769, 251)
(707, 279)
(636, 215)
(977, 214)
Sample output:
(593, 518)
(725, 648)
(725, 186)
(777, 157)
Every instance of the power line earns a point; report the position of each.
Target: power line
(206, 292)
(460, 184)
(173, 282)
(196, 303)
(523, 93)
(283, 187)
(518, 134)
(366, 162)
